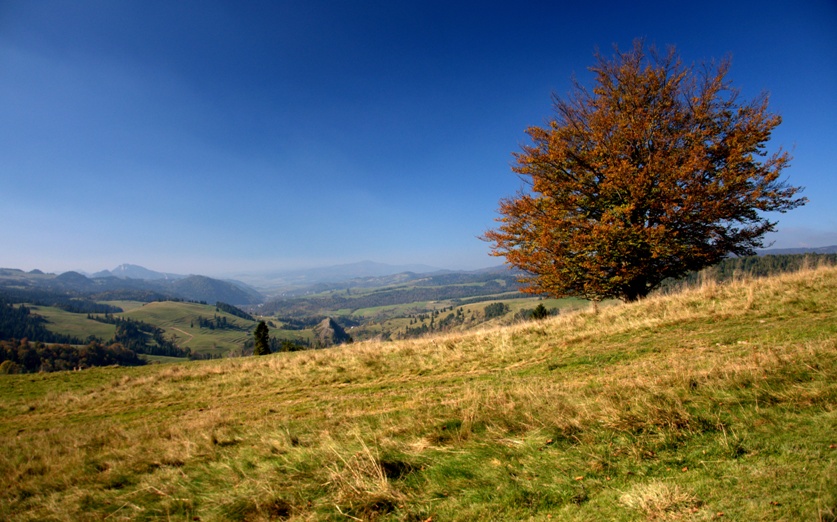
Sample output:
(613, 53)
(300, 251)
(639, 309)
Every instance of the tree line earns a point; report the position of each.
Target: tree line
(142, 337)
(761, 266)
(218, 322)
(17, 322)
(305, 322)
(22, 356)
(74, 305)
(754, 266)
(233, 310)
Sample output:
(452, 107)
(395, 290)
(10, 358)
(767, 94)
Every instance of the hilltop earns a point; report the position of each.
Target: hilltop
(127, 282)
(129, 271)
(718, 402)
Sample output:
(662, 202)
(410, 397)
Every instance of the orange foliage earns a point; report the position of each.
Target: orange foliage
(659, 171)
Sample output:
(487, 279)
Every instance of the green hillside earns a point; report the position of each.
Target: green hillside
(180, 319)
(718, 403)
(432, 317)
(76, 325)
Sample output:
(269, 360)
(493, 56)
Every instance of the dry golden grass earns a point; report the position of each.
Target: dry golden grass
(658, 500)
(498, 423)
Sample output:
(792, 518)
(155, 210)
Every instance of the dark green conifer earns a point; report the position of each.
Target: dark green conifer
(540, 312)
(261, 337)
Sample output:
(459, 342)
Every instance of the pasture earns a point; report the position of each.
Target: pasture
(715, 403)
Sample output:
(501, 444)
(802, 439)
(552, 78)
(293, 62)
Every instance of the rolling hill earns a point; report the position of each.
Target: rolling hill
(148, 288)
(717, 402)
(179, 321)
(202, 288)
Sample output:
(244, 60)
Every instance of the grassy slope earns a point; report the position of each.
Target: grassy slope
(718, 402)
(77, 325)
(175, 318)
(181, 319)
(126, 305)
(396, 318)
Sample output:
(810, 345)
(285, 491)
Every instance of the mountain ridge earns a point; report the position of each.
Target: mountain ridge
(250, 288)
(288, 279)
(130, 271)
(191, 288)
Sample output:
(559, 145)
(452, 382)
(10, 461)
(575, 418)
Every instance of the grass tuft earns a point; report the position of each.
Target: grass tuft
(661, 501)
(362, 484)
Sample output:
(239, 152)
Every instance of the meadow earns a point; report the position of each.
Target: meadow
(178, 320)
(717, 402)
(74, 324)
(394, 321)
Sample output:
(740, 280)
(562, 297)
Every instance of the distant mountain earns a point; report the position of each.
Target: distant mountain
(13, 277)
(202, 288)
(337, 273)
(292, 279)
(128, 271)
(149, 286)
(788, 251)
(245, 287)
(73, 281)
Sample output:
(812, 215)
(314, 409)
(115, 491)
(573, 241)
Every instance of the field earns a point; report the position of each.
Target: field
(717, 403)
(76, 325)
(393, 321)
(181, 320)
(178, 319)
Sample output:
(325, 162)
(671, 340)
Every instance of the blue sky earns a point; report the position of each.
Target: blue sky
(228, 137)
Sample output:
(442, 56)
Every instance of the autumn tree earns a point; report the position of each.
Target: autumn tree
(261, 340)
(659, 171)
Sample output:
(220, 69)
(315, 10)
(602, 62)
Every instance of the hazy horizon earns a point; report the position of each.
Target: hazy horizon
(274, 271)
(263, 271)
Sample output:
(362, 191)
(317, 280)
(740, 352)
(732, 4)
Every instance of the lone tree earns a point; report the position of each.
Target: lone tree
(261, 339)
(659, 171)
(540, 312)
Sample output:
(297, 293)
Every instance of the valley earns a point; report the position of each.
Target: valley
(382, 307)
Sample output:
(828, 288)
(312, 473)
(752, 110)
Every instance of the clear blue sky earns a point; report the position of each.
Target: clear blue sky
(220, 137)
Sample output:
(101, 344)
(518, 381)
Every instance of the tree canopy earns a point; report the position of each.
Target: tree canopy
(659, 171)
(261, 338)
